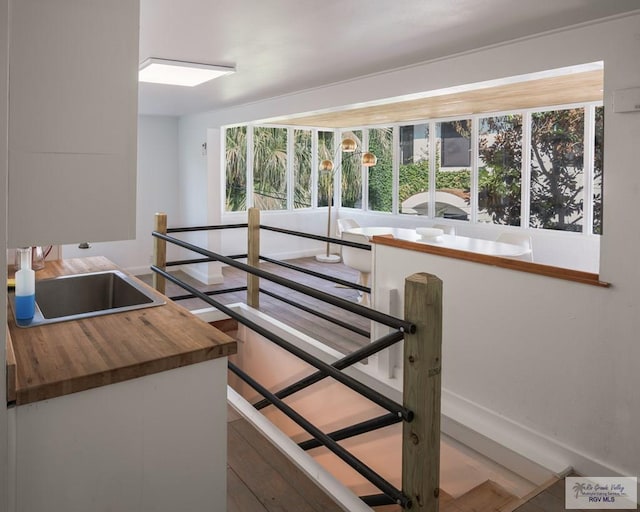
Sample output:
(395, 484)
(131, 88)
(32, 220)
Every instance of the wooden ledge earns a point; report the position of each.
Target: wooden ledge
(496, 261)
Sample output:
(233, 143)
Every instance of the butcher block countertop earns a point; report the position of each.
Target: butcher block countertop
(62, 358)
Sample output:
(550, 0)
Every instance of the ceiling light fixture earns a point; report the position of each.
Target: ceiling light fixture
(175, 72)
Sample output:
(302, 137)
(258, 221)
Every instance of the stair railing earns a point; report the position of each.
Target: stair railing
(421, 330)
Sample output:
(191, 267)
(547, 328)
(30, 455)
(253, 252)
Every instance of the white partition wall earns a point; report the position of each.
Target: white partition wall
(589, 344)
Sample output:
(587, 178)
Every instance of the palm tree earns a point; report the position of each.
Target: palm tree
(270, 168)
(236, 168)
(302, 168)
(351, 178)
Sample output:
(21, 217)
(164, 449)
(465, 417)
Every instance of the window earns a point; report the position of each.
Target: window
(236, 169)
(500, 169)
(302, 168)
(325, 179)
(597, 171)
(352, 173)
(413, 187)
(453, 176)
(270, 168)
(557, 188)
(482, 162)
(381, 174)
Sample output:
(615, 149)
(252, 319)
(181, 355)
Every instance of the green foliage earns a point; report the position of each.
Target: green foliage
(302, 168)
(381, 174)
(413, 179)
(597, 171)
(236, 169)
(499, 179)
(556, 169)
(351, 174)
(325, 179)
(270, 168)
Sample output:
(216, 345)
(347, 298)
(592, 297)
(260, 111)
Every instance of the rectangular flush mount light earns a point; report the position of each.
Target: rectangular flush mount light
(175, 72)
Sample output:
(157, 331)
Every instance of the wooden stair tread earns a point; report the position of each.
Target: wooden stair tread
(274, 480)
(445, 499)
(488, 496)
(524, 504)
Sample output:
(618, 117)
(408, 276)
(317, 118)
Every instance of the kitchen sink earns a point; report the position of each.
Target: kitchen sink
(85, 295)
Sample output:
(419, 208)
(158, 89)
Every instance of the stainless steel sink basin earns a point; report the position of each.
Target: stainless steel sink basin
(85, 295)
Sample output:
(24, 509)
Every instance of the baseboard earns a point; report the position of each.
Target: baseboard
(291, 255)
(515, 446)
(203, 277)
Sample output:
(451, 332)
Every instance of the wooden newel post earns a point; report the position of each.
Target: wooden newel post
(253, 257)
(421, 391)
(160, 251)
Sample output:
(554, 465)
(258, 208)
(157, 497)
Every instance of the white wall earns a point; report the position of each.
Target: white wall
(157, 191)
(500, 61)
(608, 323)
(3, 246)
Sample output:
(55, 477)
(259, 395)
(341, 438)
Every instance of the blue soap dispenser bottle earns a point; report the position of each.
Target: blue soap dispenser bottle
(25, 287)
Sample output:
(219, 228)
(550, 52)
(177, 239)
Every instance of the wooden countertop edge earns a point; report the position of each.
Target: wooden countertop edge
(26, 390)
(122, 374)
(496, 261)
(11, 369)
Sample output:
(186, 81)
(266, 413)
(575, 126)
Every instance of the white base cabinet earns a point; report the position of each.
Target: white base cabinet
(156, 443)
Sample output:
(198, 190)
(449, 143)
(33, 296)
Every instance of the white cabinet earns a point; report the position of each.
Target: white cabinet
(156, 443)
(73, 89)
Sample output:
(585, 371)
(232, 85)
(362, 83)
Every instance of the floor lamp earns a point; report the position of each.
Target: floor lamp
(367, 159)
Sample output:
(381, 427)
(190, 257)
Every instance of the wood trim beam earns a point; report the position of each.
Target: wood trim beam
(496, 261)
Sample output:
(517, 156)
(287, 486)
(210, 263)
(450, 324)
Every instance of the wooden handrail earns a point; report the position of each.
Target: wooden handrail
(567, 274)
(422, 391)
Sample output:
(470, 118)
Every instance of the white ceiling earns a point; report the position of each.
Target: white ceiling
(282, 46)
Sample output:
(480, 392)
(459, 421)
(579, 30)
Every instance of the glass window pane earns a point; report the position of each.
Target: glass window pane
(352, 173)
(270, 168)
(236, 169)
(302, 168)
(557, 142)
(500, 169)
(381, 174)
(325, 179)
(453, 169)
(597, 171)
(413, 188)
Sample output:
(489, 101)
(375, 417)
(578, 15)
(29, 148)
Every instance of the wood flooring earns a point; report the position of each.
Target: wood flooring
(335, 336)
(261, 479)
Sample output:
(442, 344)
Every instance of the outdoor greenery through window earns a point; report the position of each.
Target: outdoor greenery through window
(479, 169)
(325, 179)
(302, 168)
(352, 173)
(557, 184)
(381, 174)
(413, 188)
(597, 170)
(236, 168)
(453, 169)
(270, 168)
(500, 169)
